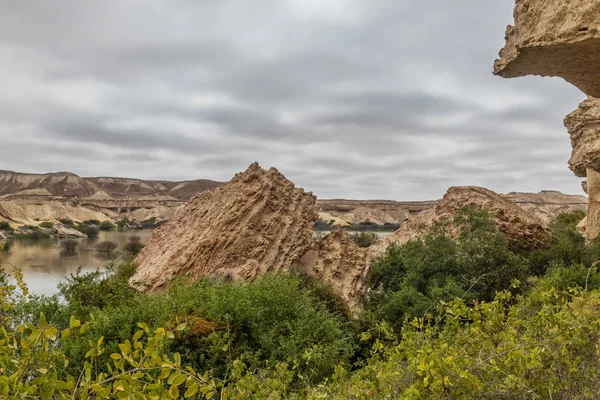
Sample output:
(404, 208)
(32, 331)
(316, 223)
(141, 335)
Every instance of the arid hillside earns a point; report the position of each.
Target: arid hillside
(30, 198)
(66, 184)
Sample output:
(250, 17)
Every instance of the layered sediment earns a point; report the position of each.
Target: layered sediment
(255, 223)
(562, 38)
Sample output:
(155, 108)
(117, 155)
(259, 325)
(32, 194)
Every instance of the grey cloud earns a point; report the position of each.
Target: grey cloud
(378, 99)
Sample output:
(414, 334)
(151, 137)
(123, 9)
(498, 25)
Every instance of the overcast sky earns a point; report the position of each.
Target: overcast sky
(389, 99)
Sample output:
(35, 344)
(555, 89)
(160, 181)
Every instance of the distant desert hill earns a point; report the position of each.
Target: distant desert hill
(67, 184)
(29, 198)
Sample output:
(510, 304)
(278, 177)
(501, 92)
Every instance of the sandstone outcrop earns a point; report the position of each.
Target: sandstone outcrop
(562, 38)
(63, 231)
(554, 38)
(338, 261)
(257, 222)
(548, 204)
(517, 225)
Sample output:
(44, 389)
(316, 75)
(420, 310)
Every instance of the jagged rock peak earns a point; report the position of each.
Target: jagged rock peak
(257, 222)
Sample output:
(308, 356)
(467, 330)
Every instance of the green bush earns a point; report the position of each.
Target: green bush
(106, 226)
(123, 223)
(91, 222)
(273, 319)
(46, 225)
(364, 239)
(5, 226)
(91, 230)
(488, 351)
(66, 221)
(408, 280)
(566, 246)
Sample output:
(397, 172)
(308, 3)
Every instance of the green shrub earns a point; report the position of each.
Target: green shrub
(124, 223)
(566, 246)
(66, 221)
(47, 225)
(106, 226)
(91, 222)
(273, 319)
(407, 280)
(90, 230)
(364, 239)
(5, 226)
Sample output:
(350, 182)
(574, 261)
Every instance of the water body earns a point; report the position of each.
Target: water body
(44, 263)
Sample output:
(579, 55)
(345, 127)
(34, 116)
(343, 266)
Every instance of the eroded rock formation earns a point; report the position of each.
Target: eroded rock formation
(338, 261)
(562, 38)
(554, 38)
(517, 225)
(255, 223)
(548, 204)
(63, 231)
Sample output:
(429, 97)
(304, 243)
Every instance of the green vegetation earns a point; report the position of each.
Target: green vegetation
(106, 226)
(123, 223)
(407, 280)
(455, 314)
(66, 221)
(89, 229)
(364, 239)
(152, 223)
(46, 225)
(5, 226)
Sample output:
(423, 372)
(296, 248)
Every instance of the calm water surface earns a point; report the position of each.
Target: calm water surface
(44, 264)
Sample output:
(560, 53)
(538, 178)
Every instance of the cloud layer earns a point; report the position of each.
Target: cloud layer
(349, 98)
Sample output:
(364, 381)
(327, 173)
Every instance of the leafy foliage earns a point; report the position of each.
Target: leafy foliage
(473, 262)
(364, 239)
(456, 314)
(106, 226)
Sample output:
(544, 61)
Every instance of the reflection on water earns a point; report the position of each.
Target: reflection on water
(45, 263)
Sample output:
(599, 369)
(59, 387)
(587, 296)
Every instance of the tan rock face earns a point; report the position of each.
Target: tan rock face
(63, 231)
(338, 261)
(518, 225)
(554, 38)
(562, 38)
(583, 125)
(548, 204)
(255, 223)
